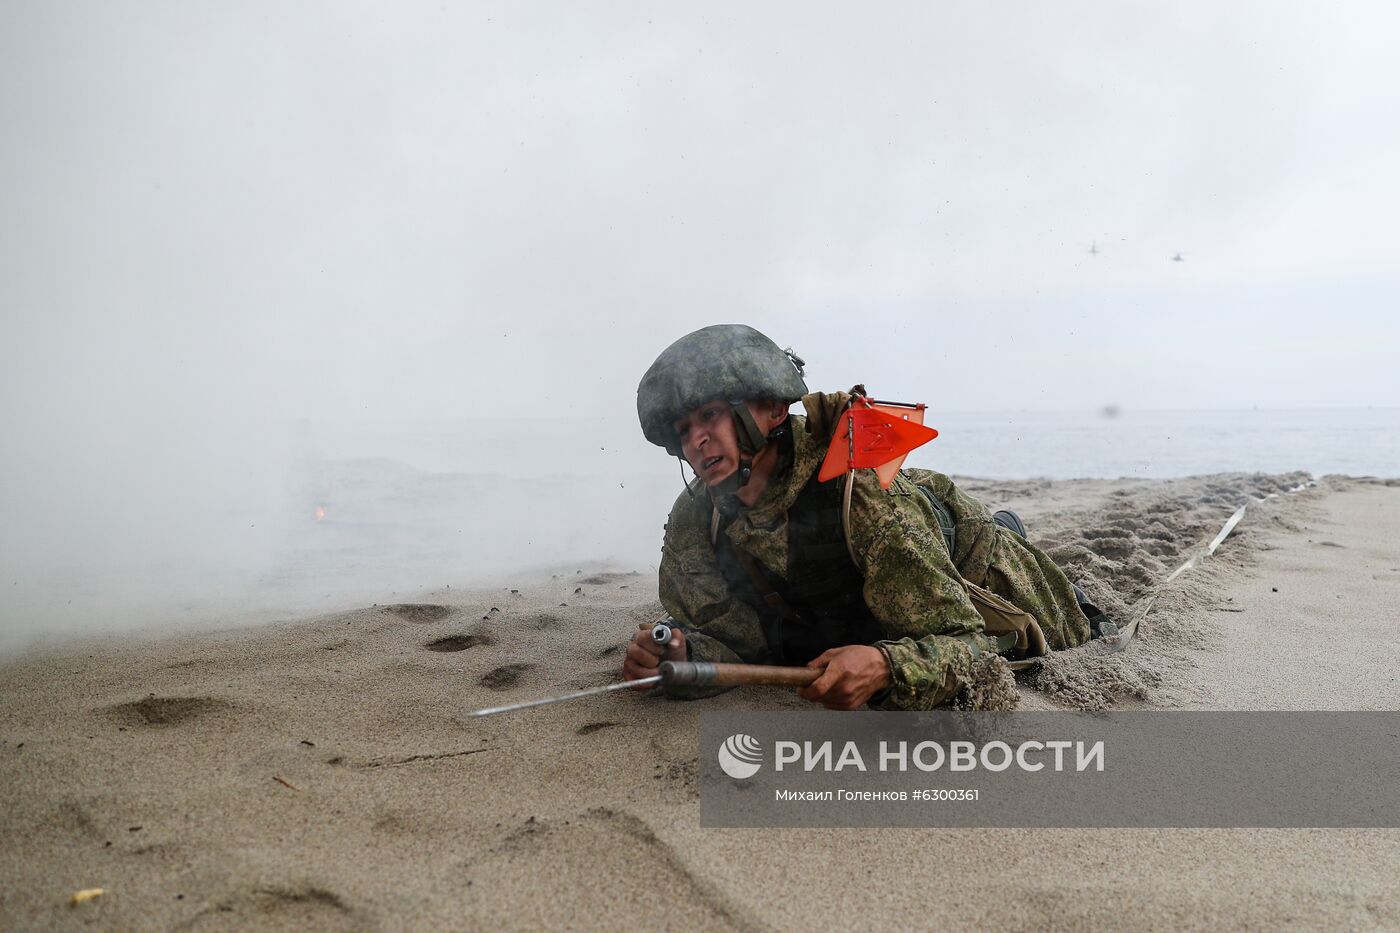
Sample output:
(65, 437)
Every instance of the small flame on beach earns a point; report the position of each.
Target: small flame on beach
(320, 512)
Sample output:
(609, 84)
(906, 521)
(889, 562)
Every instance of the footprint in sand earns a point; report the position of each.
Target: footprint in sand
(505, 676)
(593, 727)
(457, 642)
(165, 711)
(298, 906)
(420, 612)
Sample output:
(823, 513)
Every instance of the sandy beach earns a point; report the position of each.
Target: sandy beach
(321, 773)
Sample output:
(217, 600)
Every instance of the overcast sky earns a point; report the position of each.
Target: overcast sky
(266, 210)
(217, 218)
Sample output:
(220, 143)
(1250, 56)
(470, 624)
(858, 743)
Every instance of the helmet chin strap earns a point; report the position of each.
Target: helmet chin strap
(751, 442)
(750, 438)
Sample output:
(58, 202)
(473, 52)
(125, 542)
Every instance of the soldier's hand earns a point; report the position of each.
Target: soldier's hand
(644, 656)
(853, 675)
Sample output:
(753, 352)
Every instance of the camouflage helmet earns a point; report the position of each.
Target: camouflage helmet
(732, 362)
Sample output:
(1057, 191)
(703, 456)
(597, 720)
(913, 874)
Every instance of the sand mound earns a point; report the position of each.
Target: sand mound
(1121, 553)
(990, 686)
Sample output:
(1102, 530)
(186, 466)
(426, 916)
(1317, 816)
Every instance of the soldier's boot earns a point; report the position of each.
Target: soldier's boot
(1010, 521)
(1099, 623)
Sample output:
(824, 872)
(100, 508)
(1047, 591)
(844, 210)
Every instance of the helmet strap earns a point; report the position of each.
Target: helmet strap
(750, 438)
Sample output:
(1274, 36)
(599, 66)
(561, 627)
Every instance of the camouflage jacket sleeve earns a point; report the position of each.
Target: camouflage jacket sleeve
(913, 588)
(718, 626)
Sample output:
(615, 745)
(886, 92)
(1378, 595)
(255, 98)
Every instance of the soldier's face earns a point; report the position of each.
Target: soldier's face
(709, 442)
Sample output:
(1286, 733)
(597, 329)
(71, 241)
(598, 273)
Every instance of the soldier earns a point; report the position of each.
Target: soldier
(893, 592)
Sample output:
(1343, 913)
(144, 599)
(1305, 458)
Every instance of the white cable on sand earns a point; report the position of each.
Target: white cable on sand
(1125, 634)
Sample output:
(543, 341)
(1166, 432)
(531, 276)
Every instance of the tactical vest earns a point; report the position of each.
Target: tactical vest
(820, 604)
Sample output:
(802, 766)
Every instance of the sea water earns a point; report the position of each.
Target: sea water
(1157, 444)
(353, 513)
(993, 445)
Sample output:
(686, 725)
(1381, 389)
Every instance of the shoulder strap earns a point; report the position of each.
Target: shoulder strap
(846, 517)
(945, 518)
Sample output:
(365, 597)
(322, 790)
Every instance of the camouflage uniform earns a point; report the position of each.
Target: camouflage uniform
(931, 631)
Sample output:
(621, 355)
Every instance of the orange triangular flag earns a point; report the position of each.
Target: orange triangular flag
(887, 470)
(884, 436)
